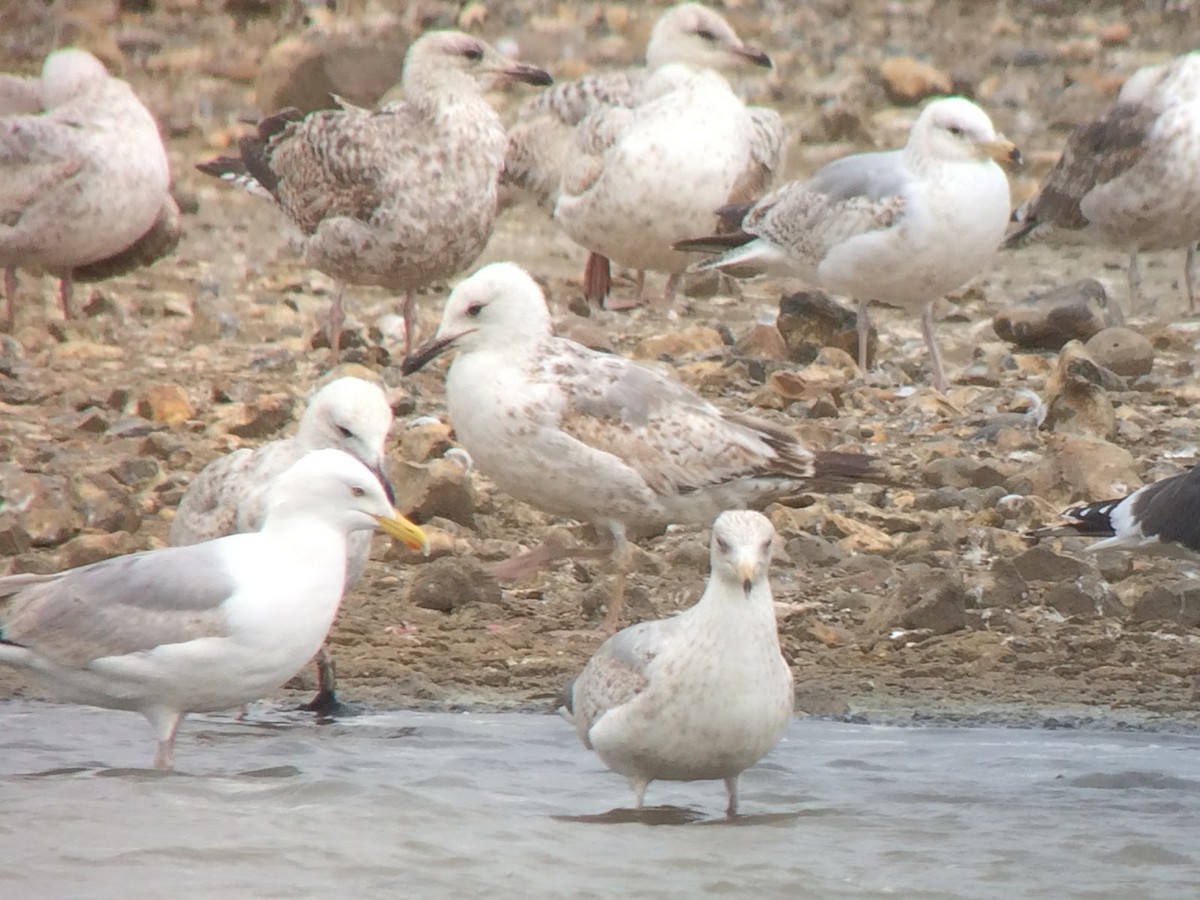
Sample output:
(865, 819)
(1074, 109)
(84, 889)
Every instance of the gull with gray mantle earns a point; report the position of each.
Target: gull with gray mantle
(208, 626)
(597, 437)
(901, 227)
(397, 198)
(229, 495)
(702, 695)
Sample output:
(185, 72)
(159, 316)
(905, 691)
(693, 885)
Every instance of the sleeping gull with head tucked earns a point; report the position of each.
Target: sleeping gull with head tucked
(397, 198)
(1130, 178)
(229, 495)
(83, 172)
(686, 139)
(901, 227)
(204, 627)
(702, 695)
(597, 437)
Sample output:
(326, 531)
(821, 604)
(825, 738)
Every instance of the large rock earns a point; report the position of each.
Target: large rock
(450, 583)
(1122, 350)
(812, 320)
(1178, 603)
(440, 487)
(1047, 321)
(925, 599)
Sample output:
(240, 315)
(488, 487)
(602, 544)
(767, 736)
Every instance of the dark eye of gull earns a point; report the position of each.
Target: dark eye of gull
(722, 545)
(706, 35)
(474, 53)
(344, 431)
(474, 310)
(356, 491)
(955, 130)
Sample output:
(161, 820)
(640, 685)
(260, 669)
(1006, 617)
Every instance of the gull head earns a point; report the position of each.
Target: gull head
(334, 486)
(451, 59)
(499, 306)
(353, 415)
(954, 129)
(741, 549)
(67, 73)
(697, 36)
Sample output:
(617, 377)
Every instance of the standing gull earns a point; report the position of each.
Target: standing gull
(83, 176)
(687, 39)
(597, 437)
(206, 627)
(1130, 178)
(1161, 517)
(901, 227)
(231, 493)
(702, 695)
(397, 198)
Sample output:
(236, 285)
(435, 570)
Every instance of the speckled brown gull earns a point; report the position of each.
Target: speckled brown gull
(624, 165)
(597, 437)
(1130, 178)
(702, 695)
(901, 227)
(397, 198)
(205, 627)
(83, 176)
(230, 494)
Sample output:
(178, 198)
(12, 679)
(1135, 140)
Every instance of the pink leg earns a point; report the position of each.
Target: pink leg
(940, 382)
(66, 290)
(337, 318)
(597, 278)
(410, 321)
(864, 332)
(166, 723)
(1189, 277)
(671, 291)
(621, 560)
(10, 296)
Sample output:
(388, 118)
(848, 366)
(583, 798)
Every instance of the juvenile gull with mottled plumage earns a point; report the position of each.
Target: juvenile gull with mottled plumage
(630, 161)
(597, 437)
(900, 227)
(396, 198)
(230, 494)
(1130, 178)
(702, 695)
(83, 173)
(204, 627)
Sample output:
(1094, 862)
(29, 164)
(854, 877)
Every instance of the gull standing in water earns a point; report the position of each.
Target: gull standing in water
(600, 438)
(205, 627)
(702, 695)
(901, 227)
(229, 495)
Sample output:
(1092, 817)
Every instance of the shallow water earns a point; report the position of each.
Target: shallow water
(450, 805)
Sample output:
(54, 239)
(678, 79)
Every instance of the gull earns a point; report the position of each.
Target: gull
(230, 494)
(702, 695)
(1130, 178)
(597, 437)
(630, 161)
(205, 627)
(83, 172)
(397, 198)
(1160, 518)
(901, 227)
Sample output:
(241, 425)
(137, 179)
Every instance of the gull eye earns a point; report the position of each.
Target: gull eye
(955, 130)
(356, 491)
(706, 35)
(766, 548)
(722, 545)
(344, 431)
(475, 54)
(474, 310)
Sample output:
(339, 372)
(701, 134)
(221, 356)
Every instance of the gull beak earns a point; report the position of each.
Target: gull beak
(745, 570)
(515, 71)
(753, 54)
(428, 352)
(1003, 151)
(388, 490)
(400, 528)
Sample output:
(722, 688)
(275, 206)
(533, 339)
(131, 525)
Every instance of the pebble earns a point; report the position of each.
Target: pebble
(1122, 350)
(1076, 401)
(1047, 321)
(908, 81)
(1178, 603)
(450, 583)
(166, 403)
(811, 320)
(440, 487)
(696, 339)
(925, 599)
